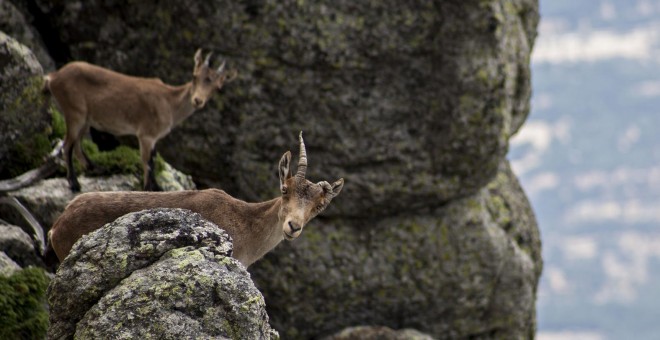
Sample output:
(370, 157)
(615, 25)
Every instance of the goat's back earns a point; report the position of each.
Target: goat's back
(90, 211)
(108, 100)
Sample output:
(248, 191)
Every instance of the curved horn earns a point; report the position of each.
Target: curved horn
(302, 161)
(222, 67)
(208, 58)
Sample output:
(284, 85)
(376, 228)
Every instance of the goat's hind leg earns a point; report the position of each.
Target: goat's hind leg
(69, 144)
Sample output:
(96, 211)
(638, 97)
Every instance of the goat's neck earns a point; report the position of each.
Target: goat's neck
(265, 231)
(181, 102)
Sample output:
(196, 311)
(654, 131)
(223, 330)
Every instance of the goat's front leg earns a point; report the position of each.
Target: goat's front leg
(147, 153)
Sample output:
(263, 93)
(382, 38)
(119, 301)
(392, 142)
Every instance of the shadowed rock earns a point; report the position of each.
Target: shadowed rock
(18, 245)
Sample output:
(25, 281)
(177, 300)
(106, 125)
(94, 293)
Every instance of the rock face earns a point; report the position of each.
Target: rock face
(7, 265)
(378, 333)
(18, 245)
(23, 122)
(14, 23)
(162, 273)
(412, 102)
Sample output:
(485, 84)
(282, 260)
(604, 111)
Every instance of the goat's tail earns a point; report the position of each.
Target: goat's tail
(45, 89)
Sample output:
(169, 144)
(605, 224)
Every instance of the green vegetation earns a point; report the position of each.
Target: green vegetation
(23, 312)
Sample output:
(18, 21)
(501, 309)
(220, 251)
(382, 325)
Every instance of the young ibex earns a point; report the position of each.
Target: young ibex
(255, 228)
(90, 95)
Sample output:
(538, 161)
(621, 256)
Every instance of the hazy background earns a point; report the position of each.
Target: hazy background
(589, 159)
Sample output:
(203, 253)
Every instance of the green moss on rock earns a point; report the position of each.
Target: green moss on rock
(23, 313)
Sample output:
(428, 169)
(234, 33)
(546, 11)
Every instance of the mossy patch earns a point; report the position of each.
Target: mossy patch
(122, 160)
(27, 150)
(22, 305)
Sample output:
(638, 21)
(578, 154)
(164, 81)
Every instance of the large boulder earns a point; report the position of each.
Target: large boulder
(24, 123)
(161, 273)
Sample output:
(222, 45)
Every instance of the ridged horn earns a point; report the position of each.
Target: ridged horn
(302, 160)
(208, 59)
(222, 67)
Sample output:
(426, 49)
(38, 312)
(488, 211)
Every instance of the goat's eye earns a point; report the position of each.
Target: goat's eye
(207, 80)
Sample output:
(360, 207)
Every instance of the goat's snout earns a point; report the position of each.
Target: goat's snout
(292, 230)
(198, 102)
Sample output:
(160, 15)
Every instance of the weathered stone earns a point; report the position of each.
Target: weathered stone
(14, 23)
(18, 245)
(24, 124)
(7, 265)
(378, 333)
(161, 273)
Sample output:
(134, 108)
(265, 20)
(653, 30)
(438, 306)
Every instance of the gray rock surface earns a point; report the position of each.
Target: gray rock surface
(14, 23)
(378, 333)
(23, 122)
(161, 273)
(7, 265)
(18, 245)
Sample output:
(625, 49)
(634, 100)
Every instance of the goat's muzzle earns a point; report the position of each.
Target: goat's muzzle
(292, 230)
(198, 103)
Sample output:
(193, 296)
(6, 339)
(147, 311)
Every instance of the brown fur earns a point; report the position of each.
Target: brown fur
(92, 96)
(241, 220)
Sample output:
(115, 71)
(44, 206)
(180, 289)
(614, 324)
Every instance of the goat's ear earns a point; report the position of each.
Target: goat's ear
(337, 186)
(284, 168)
(230, 75)
(198, 59)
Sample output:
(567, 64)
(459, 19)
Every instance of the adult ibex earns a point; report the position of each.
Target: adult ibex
(90, 95)
(255, 228)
